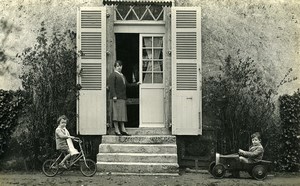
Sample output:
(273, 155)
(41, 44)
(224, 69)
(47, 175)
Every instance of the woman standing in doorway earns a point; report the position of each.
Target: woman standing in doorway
(117, 87)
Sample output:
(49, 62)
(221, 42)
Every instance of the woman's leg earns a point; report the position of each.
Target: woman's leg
(117, 130)
(123, 129)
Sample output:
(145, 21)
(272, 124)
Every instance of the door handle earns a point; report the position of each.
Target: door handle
(189, 98)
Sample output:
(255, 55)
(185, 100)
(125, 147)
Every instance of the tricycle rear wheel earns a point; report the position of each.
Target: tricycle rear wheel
(50, 168)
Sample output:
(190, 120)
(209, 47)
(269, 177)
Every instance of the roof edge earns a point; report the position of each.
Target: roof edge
(139, 2)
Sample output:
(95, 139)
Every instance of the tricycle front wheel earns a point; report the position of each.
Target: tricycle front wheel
(50, 168)
(88, 167)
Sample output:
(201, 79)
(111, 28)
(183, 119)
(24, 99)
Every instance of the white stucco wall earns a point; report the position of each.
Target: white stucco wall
(26, 17)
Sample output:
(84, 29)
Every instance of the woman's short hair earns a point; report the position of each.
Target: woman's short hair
(256, 134)
(61, 117)
(118, 62)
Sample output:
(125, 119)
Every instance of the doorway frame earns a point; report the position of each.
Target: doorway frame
(158, 28)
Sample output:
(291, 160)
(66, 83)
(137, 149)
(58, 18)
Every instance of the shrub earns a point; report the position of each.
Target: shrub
(243, 102)
(11, 104)
(49, 77)
(290, 118)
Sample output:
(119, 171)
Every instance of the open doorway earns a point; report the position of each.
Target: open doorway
(127, 50)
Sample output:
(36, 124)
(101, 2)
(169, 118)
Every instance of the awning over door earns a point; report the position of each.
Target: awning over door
(138, 2)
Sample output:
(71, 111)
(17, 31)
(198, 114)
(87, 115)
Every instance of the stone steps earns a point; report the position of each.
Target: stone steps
(138, 148)
(144, 131)
(138, 155)
(137, 167)
(145, 139)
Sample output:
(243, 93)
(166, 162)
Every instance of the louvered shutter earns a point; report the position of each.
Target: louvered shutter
(91, 45)
(186, 71)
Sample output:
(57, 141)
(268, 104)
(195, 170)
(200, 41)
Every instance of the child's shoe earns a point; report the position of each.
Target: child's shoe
(62, 165)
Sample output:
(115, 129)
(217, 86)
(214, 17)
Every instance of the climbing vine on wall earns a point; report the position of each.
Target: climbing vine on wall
(290, 118)
(11, 104)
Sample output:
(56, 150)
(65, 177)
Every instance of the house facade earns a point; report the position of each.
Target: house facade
(160, 46)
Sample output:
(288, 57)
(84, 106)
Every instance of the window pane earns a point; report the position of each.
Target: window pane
(148, 16)
(147, 66)
(158, 54)
(158, 42)
(118, 16)
(147, 77)
(149, 13)
(131, 16)
(161, 17)
(123, 10)
(157, 78)
(158, 66)
(139, 10)
(156, 10)
(147, 42)
(147, 54)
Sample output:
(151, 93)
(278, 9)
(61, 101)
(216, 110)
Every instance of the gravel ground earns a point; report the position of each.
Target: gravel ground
(75, 178)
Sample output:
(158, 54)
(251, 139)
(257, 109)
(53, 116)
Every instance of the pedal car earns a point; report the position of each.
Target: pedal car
(231, 163)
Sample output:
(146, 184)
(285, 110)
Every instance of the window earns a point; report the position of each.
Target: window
(152, 59)
(139, 13)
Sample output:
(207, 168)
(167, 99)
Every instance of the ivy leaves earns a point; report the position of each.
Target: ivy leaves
(290, 117)
(11, 104)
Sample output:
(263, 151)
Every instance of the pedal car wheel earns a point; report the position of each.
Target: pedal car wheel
(259, 172)
(88, 168)
(218, 171)
(211, 166)
(50, 168)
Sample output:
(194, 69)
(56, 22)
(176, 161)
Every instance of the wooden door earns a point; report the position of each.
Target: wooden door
(186, 71)
(152, 80)
(91, 45)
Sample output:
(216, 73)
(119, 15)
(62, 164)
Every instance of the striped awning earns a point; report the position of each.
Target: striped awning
(139, 2)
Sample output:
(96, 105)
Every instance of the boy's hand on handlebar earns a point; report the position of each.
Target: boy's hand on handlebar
(241, 152)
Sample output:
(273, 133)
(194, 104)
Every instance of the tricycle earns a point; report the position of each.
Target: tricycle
(231, 163)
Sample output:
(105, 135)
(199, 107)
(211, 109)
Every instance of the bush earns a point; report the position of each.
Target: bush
(290, 117)
(11, 104)
(49, 77)
(243, 102)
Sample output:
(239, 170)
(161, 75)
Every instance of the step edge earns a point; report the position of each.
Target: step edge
(137, 154)
(140, 144)
(136, 174)
(135, 163)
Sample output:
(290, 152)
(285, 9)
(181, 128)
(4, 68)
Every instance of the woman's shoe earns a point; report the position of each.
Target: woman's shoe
(118, 134)
(125, 133)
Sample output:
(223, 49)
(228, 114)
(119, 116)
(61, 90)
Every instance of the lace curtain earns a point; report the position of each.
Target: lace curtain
(150, 60)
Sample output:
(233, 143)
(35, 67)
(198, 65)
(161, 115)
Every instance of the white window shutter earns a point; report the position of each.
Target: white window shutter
(91, 45)
(186, 71)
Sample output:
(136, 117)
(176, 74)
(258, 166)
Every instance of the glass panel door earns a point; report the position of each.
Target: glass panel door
(152, 79)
